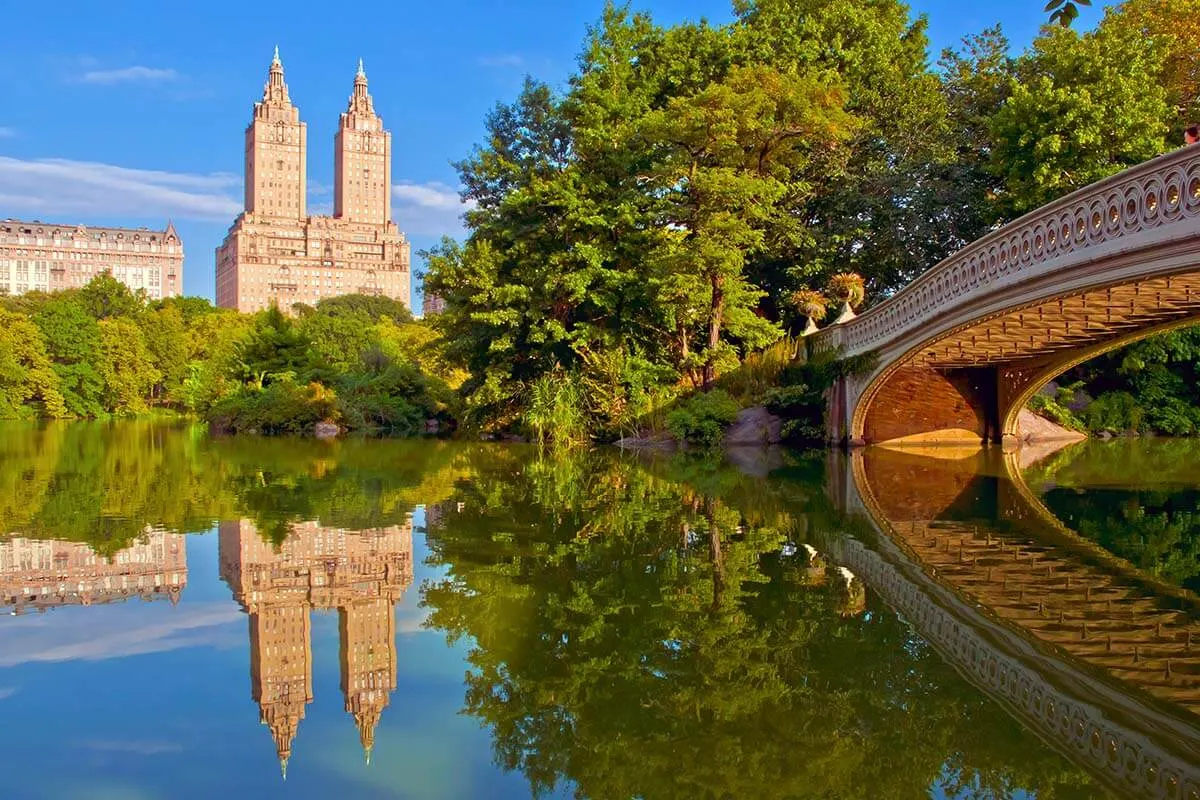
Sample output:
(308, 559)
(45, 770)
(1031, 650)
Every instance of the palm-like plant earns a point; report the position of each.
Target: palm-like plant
(851, 290)
(812, 304)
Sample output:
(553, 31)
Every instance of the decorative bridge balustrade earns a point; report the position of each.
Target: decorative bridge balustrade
(1159, 192)
(1110, 263)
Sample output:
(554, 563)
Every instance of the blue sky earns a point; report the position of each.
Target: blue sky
(128, 113)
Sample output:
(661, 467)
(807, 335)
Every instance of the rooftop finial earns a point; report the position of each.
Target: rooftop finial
(361, 72)
(275, 59)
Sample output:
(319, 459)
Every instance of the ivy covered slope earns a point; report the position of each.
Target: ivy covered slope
(359, 362)
(636, 236)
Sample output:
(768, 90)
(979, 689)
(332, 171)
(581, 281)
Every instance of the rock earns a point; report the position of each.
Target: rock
(326, 430)
(1034, 428)
(754, 426)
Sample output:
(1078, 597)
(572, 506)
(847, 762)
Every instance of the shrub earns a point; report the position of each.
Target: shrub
(555, 413)
(1056, 411)
(392, 397)
(702, 419)
(282, 407)
(1113, 412)
(802, 409)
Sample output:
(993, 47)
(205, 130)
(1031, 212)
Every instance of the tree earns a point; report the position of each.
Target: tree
(126, 367)
(105, 297)
(72, 339)
(1082, 107)
(1175, 26)
(365, 306)
(28, 383)
(274, 347)
(884, 216)
(164, 333)
(1064, 12)
(729, 156)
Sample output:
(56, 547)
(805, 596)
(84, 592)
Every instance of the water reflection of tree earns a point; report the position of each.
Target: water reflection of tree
(637, 637)
(103, 484)
(1136, 499)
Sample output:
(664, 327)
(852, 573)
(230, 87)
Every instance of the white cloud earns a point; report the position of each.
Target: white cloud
(7, 133)
(97, 633)
(44, 188)
(500, 61)
(137, 747)
(428, 209)
(318, 189)
(134, 74)
(7, 692)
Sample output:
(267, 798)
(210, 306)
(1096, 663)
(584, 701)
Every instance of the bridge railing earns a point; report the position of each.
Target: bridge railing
(1163, 191)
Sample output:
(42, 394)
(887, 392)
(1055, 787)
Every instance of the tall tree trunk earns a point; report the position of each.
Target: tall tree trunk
(716, 314)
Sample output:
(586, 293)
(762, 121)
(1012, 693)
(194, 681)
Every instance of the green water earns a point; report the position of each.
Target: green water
(483, 621)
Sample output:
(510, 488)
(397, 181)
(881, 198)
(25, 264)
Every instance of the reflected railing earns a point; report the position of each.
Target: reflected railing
(1094, 655)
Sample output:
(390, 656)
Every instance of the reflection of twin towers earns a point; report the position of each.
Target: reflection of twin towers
(360, 573)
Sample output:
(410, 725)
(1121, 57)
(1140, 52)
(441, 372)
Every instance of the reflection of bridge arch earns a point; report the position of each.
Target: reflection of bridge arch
(1008, 612)
(962, 347)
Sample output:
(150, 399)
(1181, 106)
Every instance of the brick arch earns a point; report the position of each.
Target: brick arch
(969, 382)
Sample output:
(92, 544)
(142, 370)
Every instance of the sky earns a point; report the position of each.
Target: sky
(130, 113)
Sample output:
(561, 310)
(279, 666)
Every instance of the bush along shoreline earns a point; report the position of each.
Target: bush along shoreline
(352, 363)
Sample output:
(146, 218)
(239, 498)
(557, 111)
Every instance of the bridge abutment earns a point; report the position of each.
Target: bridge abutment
(926, 405)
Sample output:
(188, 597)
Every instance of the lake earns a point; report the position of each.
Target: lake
(195, 617)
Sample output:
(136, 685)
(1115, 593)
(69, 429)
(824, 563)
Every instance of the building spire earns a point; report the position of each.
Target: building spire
(276, 90)
(360, 99)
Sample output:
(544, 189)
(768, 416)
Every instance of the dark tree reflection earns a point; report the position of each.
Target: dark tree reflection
(636, 636)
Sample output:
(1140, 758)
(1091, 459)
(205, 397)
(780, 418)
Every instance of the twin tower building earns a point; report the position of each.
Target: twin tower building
(276, 253)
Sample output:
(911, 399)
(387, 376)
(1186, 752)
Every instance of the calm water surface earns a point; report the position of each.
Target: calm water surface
(194, 617)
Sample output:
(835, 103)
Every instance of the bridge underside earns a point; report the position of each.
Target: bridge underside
(969, 384)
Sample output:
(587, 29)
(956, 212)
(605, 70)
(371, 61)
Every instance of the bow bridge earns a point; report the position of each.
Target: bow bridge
(962, 349)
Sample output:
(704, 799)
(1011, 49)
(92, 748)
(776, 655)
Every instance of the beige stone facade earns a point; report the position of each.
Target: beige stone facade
(277, 254)
(48, 257)
(39, 574)
(362, 574)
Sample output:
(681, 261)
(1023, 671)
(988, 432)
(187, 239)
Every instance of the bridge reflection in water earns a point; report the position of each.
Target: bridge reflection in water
(1098, 658)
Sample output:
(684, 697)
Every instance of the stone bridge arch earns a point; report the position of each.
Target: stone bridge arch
(961, 349)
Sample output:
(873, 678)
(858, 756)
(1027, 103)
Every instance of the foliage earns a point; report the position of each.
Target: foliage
(104, 350)
(1147, 387)
(703, 418)
(554, 413)
(72, 338)
(1080, 107)
(848, 287)
(1175, 26)
(760, 371)
(283, 406)
(1064, 12)
(1053, 409)
(623, 618)
(799, 399)
(810, 303)
(125, 367)
(28, 384)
